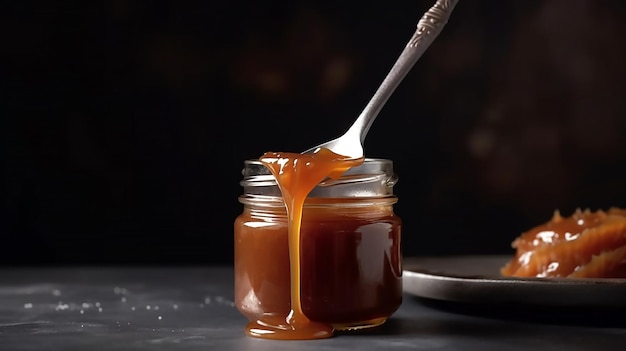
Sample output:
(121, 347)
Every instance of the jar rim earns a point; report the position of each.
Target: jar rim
(266, 201)
(374, 177)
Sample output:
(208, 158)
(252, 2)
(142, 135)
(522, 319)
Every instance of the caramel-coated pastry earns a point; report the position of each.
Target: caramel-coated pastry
(585, 245)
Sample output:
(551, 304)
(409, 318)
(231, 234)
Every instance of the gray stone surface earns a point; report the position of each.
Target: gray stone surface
(192, 309)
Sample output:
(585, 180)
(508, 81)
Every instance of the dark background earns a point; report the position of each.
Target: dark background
(126, 123)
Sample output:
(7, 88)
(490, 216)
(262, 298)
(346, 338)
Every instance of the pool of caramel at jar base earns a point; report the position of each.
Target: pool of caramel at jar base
(351, 273)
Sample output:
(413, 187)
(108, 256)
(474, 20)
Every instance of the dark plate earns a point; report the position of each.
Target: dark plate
(476, 279)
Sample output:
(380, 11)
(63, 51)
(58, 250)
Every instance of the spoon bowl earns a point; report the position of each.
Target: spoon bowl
(350, 144)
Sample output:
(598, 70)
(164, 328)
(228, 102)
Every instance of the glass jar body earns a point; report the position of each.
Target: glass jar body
(351, 264)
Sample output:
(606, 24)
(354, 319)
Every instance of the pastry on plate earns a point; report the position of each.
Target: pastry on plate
(584, 245)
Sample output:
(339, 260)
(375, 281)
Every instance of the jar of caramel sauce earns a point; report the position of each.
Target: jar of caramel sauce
(350, 256)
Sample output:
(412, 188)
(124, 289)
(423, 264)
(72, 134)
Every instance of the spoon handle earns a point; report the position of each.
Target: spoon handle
(428, 28)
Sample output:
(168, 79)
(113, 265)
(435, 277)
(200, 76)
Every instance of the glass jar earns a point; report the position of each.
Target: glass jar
(351, 263)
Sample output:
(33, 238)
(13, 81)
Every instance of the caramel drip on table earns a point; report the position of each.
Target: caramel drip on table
(296, 175)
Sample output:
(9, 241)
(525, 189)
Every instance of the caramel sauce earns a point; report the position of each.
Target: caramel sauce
(350, 264)
(296, 175)
(559, 228)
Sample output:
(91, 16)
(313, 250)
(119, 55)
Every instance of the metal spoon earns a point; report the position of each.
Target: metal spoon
(428, 28)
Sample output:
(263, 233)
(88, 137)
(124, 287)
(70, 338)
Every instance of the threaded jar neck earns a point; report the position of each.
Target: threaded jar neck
(374, 178)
